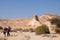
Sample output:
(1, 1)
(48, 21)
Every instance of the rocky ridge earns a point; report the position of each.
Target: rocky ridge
(28, 22)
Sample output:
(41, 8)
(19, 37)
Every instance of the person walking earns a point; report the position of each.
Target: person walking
(5, 31)
(8, 30)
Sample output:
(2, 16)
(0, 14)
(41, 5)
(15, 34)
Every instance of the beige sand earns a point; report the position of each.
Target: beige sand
(29, 36)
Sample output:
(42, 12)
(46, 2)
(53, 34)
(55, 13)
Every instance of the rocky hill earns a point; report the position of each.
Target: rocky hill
(28, 22)
(15, 23)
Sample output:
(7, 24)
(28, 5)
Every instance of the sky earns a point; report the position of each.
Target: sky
(28, 8)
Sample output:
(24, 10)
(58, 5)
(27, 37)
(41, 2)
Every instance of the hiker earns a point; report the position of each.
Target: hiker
(6, 31)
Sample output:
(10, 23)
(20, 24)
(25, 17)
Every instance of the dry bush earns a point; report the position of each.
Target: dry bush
(25, 30)
(20, 29)
(42, 30)
(57, 30)
(55, 21)
(32, 30)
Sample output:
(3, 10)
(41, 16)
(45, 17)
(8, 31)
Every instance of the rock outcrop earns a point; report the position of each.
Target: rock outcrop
(34, 22)
(45, 20)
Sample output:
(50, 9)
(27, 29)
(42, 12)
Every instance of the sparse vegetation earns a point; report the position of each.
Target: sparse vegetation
(26, 30)
(56, 21)
(20, 29)
(57, 30)
(32, 30)
(42, 30)
(1, 27)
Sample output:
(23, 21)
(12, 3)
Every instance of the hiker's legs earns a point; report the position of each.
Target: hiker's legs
(4, 33)
(8, 34)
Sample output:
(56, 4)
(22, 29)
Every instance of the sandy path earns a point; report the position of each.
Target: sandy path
(28, 36)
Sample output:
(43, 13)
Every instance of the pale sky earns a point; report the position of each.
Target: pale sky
(28, 8)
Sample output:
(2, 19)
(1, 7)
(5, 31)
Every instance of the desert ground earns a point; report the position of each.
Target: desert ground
(29, 36)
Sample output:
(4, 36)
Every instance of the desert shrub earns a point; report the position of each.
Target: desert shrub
(26, 30)
(20, 29)
(1, 27)
(32, 30)
(42, 30)
(57, 30)
(55, 21)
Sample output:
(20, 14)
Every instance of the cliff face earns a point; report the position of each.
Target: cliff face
(29, 22)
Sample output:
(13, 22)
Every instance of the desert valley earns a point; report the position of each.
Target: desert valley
(30, 23)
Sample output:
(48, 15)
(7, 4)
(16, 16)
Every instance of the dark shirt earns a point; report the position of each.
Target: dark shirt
(5, 29)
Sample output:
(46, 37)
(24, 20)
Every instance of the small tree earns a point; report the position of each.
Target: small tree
(42, 30)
